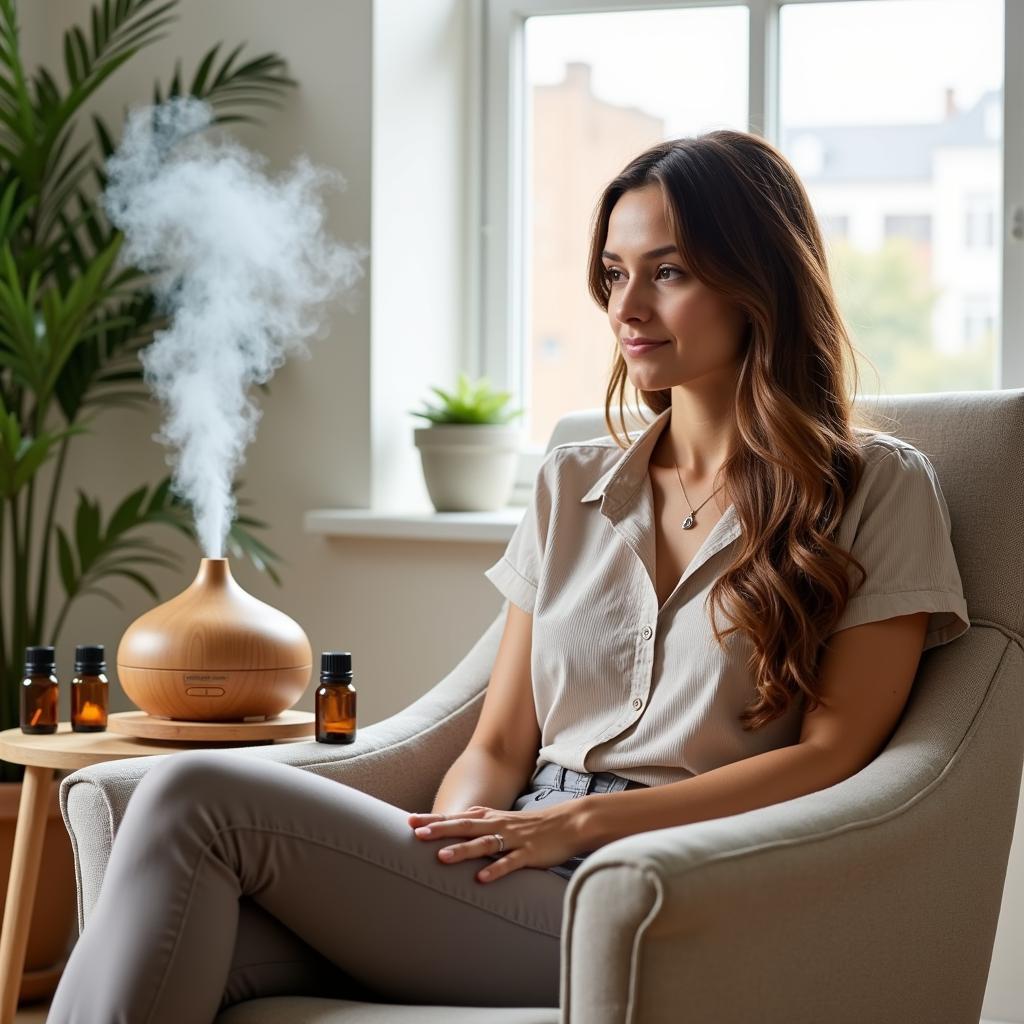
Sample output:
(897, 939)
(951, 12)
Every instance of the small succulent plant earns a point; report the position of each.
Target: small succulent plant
(472, 403)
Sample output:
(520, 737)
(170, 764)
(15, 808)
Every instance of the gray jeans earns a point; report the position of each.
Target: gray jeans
(233, 878)
(553, 784)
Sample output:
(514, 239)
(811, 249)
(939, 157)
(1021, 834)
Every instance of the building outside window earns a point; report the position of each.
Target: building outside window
(890, 111)
(980, 221)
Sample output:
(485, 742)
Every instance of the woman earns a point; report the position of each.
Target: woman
(725, 613)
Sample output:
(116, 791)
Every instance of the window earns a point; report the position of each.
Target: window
(915, 227)
(890, 110)
(980, 221)
(599, 89)
(979, 322)
(834, 225)
(901, 145)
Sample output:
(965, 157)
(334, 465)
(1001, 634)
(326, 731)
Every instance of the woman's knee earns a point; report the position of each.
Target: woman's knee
(187, 779)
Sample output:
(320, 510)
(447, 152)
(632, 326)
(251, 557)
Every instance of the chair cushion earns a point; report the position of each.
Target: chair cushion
(307, 1010)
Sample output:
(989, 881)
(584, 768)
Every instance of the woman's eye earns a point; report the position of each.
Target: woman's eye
(615, 270)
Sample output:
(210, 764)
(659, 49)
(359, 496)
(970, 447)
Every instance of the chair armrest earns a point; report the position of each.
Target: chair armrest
(401, 759)
(734, 916)
(896, 874)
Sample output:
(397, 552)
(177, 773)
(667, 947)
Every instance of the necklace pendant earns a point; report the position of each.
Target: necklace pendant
(689, 522)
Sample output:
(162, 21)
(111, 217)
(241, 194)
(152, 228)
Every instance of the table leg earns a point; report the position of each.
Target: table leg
(21, 885)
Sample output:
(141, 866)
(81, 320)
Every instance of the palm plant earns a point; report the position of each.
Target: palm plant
(72, 322)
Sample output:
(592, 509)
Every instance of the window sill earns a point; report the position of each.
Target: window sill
(429, 525)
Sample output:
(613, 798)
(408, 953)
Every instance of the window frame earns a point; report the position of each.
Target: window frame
(502, 291)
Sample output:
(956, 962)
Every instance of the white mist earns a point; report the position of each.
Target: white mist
(242, 266)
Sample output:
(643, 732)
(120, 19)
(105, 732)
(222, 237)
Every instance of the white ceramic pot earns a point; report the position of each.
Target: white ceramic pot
(469, 467)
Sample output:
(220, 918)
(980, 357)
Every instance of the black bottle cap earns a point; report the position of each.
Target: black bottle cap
(336, 665)
(39, 660)
(90, 658)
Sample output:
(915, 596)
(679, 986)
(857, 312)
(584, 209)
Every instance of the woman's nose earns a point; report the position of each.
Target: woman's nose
(631, 303)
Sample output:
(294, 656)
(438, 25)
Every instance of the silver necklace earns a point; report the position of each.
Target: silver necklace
(691, 520)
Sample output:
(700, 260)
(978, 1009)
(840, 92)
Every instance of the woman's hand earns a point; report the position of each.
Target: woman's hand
(533, 839)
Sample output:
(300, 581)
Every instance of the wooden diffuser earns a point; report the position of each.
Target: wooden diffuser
(214, 653)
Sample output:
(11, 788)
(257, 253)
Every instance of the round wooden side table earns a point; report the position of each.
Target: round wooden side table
(42, 754)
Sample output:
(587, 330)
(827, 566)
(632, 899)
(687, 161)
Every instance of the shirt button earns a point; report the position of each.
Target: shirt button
(637, 703)
(647, 632)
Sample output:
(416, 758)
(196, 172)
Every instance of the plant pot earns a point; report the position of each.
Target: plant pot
(55, 912)
(469, 467)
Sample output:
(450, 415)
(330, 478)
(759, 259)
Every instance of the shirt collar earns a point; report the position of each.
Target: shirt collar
(620, 482)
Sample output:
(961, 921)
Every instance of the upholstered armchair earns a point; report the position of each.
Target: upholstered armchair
(874, 901)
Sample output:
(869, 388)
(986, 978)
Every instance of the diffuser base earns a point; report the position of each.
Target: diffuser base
(214, 695)
(287, 725)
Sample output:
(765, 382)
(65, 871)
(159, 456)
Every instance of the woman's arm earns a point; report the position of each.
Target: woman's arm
(478, 776)
(502, 752)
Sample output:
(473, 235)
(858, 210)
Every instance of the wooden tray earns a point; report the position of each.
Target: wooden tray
(140, 724)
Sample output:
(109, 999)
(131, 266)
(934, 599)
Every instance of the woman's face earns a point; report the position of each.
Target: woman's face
(699, 331)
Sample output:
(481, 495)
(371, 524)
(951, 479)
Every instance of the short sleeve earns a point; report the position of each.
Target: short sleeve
(903, 540)
(517, 573)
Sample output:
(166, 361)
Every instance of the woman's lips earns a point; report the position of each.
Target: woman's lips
(640, 348)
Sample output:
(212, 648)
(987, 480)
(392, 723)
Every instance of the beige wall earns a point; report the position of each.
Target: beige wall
(328, 417)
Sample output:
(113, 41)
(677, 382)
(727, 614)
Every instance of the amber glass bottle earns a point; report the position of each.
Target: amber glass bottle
(336, 699)
(89, 690)
(39, 691)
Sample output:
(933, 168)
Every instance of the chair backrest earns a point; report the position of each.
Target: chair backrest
(975, 441)
(584, 424)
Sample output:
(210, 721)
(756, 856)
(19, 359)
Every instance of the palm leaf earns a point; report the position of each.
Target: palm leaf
(260, 81)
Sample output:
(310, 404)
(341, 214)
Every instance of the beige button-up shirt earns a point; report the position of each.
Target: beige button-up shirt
(624, 687)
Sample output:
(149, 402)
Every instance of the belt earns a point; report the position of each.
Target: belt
(556, 776)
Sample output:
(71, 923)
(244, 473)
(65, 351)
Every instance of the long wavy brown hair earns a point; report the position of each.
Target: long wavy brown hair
(745, 227)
